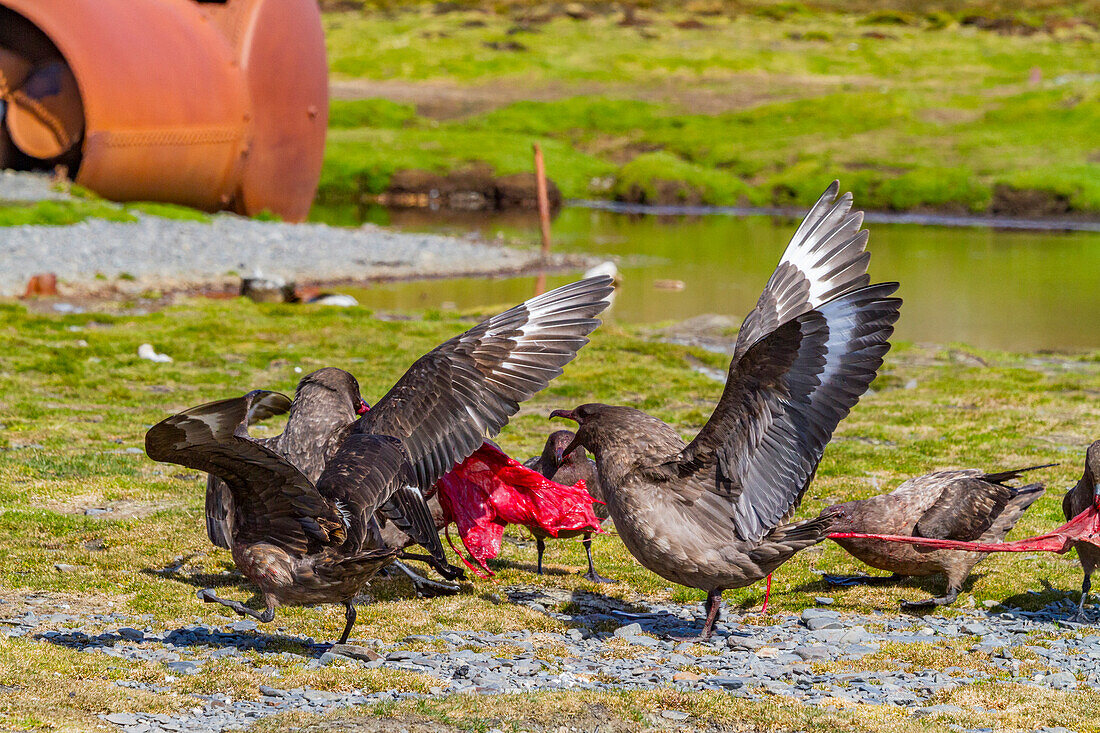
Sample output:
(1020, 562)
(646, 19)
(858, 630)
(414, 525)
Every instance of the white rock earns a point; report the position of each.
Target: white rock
(146, 351)
(336, 299)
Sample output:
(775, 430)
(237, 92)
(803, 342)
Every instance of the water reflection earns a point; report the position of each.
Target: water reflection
(1015, 290)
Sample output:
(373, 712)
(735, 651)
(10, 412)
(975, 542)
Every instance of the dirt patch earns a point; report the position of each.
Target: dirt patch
(663, 193)
(92, 506)
(469, 189)
(860, 166)
(441, 100)
(1027, 202)
(1005, 26)
(949, 116)
(618, 152)
(16, 603)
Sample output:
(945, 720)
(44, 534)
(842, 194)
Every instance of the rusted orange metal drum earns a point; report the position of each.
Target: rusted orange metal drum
(217, 105)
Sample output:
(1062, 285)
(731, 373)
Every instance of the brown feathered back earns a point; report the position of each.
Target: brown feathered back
(325, 403)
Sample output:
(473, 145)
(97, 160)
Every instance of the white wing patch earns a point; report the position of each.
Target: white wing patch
(344, 513)
(825, 245)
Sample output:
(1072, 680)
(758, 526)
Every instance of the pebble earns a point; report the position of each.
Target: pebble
(746, 660)
(357, 652)
(153, 250)
(628, 630)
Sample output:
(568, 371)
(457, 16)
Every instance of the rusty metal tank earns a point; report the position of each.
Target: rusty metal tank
(216, 105)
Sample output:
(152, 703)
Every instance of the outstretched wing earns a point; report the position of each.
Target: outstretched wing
(259, 405)
(826, 257)
(443, 408)
(264, 404)
(782, 401)
(274, 501)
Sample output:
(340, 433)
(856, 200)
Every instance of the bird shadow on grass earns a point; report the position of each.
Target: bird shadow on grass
(395, 586)
(934, 585)
(529, 567)
(596, 612)
(1032, 600)
(194, 636)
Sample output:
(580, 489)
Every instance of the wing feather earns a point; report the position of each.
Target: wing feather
(466, 389)
(826, 257)
(273, 501)
(782, 401)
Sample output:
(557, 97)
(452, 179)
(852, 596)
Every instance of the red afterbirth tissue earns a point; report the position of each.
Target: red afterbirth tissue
(490, 490)
(1085, 527)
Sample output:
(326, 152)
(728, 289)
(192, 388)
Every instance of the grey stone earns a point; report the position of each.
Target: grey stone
(1062, 680)
(182, 667)
(730, 683)
(355, 652)
(123, 719)
(330, 658)
(816, 619)
(318, 697)
(818, 623)
(815, 652)
(744, 643)
(640, 640)
(676, 715)
(628, 630)
(402, 655)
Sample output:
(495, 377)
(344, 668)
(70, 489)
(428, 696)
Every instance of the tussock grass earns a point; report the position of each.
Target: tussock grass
(918, 109)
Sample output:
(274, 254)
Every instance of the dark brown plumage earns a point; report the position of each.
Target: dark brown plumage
(710, 514)
(965, 505)
(300, 543)
(1076, 501)
(303, 543)
(325, 405)
(325, 402)
(567, 467)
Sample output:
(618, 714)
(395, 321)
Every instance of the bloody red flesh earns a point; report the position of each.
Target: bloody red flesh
(490, 490)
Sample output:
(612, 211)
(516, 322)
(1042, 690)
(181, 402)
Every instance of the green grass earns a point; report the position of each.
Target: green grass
(75, 396)
(920, 114)
(61, 213)
(64, 213)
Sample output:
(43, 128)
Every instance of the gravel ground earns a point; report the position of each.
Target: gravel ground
(28, 187)
(166, 253)
(170, 254)
(746, 660)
